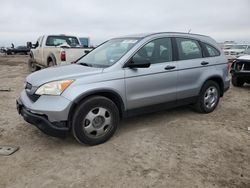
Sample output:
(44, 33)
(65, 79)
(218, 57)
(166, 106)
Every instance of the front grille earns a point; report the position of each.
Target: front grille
(33, 97)
(247, 66)
(30, 93)
(242, 65)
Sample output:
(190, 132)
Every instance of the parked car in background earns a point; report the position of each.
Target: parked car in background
(227, 44)
(125, 76)
(236, 50)
(2, 49)
(52, 50)
(18, 50)
(240, 71)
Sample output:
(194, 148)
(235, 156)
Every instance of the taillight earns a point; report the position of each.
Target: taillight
(63, 56)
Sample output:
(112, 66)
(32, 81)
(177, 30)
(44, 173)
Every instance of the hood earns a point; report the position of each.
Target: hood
(244, 57)
(61, 73)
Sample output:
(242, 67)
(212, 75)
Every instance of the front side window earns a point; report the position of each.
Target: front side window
(156, 51)
(108, 53)
(188, 49)
(212, 52)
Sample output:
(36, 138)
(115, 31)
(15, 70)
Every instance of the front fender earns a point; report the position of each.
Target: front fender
(77, 92)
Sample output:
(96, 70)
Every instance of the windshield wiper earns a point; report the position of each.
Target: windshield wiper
(85, 64)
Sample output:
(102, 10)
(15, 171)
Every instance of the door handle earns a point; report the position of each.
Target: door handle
(204, 63)
(169, 67)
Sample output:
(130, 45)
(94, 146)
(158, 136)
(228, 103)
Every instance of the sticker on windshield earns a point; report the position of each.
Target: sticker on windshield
(130, 41)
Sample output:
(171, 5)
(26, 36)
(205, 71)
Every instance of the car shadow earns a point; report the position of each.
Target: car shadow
(126, 125)
(153, 119)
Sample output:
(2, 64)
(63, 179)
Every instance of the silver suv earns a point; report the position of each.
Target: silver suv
(122, 77)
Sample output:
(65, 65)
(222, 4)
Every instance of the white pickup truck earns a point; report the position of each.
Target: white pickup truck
(52, 50)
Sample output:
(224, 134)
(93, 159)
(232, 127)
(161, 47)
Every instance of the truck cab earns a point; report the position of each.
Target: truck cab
(52, 50)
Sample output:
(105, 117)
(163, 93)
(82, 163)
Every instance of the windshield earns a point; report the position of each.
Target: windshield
(243, 47)
(61, 39)
(108, 53)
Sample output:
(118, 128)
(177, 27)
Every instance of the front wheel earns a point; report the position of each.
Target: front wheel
(209, 97)
(32, 66)
(95, 120)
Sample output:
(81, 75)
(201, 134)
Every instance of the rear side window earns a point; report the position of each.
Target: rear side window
(188, 49)
(211, 51)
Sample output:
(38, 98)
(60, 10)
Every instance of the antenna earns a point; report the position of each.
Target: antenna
(189, 31)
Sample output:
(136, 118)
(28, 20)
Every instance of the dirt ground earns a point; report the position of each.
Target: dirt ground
(173, 148)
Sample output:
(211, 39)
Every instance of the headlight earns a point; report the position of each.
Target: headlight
(53, 88)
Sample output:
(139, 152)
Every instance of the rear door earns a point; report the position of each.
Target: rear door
(191, 66)
(155, 84)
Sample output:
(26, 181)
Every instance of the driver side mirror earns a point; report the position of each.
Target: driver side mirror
(29, 45)
(138, 62)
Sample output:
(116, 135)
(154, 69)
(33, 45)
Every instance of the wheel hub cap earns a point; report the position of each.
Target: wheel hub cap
(211, 97)
(98, 121)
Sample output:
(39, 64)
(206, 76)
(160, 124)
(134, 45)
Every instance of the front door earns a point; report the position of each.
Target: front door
(155, 84)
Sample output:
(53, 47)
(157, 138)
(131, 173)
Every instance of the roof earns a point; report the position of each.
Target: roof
(143, 35)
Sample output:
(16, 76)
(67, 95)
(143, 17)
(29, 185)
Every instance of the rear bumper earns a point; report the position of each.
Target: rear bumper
(41, 122)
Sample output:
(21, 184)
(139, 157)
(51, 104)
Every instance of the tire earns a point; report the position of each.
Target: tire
(95, 120)
(51, 62)
(32, 66)
(237, 82)
(208, 98)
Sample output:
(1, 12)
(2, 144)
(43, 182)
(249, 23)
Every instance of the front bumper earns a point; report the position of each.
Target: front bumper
(56, 108)
(41, 122)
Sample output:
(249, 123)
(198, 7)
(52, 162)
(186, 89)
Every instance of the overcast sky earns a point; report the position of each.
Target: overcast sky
(25, 20)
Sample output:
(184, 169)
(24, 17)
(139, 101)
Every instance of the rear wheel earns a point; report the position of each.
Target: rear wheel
(237, 82)
(209, 97)
(32, 66)
(95, 120)
(51, 63)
